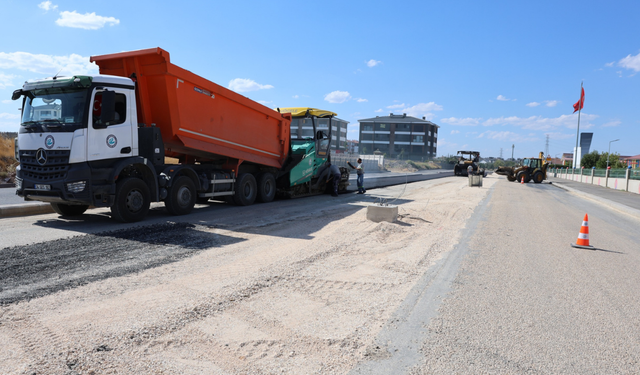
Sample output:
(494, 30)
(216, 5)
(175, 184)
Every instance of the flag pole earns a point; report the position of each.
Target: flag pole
(575, 152)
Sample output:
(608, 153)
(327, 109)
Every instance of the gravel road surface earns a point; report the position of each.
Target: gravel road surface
(300, 286)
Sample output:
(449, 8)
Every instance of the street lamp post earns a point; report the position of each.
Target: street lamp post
(615, 140)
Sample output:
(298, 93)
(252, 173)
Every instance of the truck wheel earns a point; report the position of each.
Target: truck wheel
(538, 177)
(132, 200)
(181, 197)
(246, 189)
(69, 209)
(266, 187)
(520, 176)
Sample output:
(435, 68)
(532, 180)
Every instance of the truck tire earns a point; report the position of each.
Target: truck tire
(182, 196)
(538, 177)
(132, 200)
(246, 190)
(69, 209)
(266, 187)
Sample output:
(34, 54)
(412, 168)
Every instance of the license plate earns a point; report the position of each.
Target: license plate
(43, 187)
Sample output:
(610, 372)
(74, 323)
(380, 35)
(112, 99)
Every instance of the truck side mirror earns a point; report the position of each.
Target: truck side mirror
(108, 113)
(319, 134)
(16, 94)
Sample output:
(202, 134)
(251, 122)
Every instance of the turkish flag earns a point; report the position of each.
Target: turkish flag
(580, 103)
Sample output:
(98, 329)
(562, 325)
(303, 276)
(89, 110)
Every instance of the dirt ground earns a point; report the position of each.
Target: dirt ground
(298, 292)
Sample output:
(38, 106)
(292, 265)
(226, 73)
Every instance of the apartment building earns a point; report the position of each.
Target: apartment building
(399, 136)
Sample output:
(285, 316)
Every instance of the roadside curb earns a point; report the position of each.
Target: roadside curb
(606, 202)
(12, 210)
(7, 185)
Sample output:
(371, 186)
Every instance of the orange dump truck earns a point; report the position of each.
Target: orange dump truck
(102, 140)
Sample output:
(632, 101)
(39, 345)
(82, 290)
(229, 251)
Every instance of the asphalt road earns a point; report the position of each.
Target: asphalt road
(8, 196)
(523, 300)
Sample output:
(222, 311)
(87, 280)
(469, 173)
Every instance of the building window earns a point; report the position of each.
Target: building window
(403, 138)
(418, 138)
(418, 128)
(382, 127)
(367, 127)
(403, 127)
(382, 137)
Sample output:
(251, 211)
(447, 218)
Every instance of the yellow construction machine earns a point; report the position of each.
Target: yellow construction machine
(531, 169)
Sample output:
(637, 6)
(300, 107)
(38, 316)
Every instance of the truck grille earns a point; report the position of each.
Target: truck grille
(55, 167)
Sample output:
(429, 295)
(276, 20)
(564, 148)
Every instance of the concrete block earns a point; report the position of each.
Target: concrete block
(377, 213)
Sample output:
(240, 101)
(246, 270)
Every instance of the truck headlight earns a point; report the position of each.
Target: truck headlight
(16, 149)
(18, 182)
(76, 187)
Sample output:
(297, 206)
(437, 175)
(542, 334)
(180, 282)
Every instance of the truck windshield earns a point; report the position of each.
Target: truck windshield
(50, 110)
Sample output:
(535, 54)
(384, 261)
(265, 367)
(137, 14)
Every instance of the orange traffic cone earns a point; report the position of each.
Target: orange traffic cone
(522, 180)
(583, 236)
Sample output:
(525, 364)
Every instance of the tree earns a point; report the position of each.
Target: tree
(614, 161)
(590, 160)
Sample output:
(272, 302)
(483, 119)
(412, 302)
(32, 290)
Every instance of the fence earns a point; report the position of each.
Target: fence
(618, 179)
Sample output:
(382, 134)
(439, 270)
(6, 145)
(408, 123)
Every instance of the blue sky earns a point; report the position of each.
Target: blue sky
(491, 74)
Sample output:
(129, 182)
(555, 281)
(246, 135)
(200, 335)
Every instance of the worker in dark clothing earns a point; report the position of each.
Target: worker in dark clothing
(336, 176)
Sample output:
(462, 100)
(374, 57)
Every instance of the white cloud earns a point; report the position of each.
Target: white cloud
(610, 65)
(378, 110)
(544, 123)
(455, 131)
(396, 106)
(361, 100)
(337, 97)
(246, 85)
(6, 80)
(611, 124)
(7, 101)
(9, 116)
(264, 102)
(371, 63)
(551, 103)
(505, 136)
(47, 6)
(631, 62)
(461, 121)
(533, 104)
(502, 98)
(87, 21)
(295, 96)
(9, 122)
(423, 107)
(47, 64)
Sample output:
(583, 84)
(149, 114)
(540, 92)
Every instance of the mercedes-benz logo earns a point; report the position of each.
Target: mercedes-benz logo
(41, 156)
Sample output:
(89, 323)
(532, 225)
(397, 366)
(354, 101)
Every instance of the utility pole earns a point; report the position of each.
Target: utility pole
(512, 148)
(546, 148)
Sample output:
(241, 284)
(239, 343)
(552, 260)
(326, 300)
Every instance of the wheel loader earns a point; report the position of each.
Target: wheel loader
(531, 169)
(466, 159)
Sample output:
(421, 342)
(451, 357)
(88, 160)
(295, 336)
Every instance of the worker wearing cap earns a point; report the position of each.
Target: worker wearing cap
(470, 170)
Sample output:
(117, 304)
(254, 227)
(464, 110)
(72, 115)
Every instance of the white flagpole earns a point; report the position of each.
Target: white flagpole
(575, 152)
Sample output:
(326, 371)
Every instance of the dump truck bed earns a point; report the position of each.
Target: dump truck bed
(198, 118)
